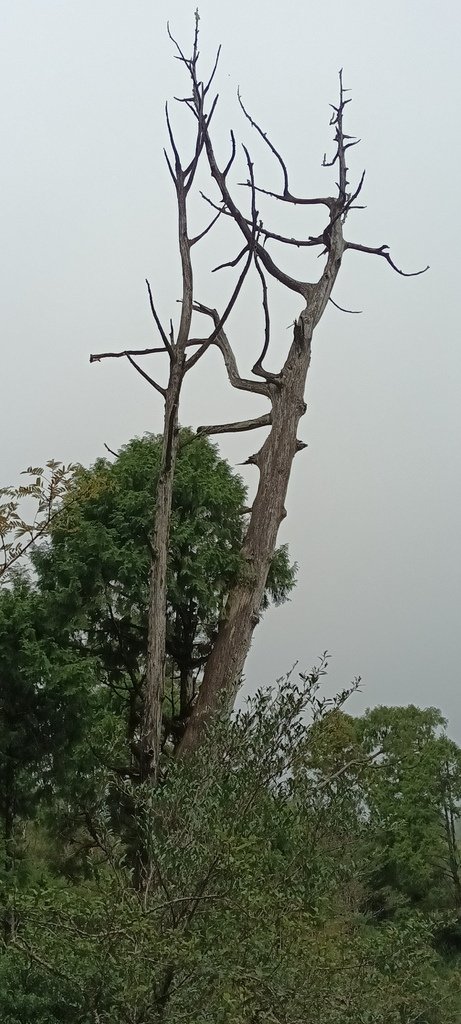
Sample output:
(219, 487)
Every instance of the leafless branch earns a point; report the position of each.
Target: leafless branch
(97, 356)
(182, 56)
(232, 156)
(189, 171)
(195, 48)
(258, 368)
(232, 263)
(221, 342)
(354, 195)
(157, 321)
(246, 228)
(382, 250)
(295, 200)
(202, 234)
(110, 450)
(254, 212)
(172, 142)
(299, 242)
(343, 310)
(202, 122)
(206, 88)
(239, 425)
(170, 167)
(286, 195)
(192, 360)
(150, 380)
(250, 248)
(272, 148)
(341, 147)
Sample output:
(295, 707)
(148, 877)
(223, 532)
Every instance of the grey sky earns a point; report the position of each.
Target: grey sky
(88, 213)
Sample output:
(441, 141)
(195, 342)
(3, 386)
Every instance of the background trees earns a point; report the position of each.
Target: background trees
(44, 699)
(258, 902)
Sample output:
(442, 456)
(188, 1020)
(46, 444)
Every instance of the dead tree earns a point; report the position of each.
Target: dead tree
(283, 390)
(175, 345)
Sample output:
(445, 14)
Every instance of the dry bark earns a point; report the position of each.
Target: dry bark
(274, 461)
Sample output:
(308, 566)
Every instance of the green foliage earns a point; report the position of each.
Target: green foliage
(303, 865)
(94, 572)
(400, 776)
(43, 495)
(42, 699)
(406, 793)
(249, 908)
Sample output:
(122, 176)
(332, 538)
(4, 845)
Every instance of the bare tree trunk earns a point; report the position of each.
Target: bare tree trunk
(151, 734)
(224, 667)
(225, 664)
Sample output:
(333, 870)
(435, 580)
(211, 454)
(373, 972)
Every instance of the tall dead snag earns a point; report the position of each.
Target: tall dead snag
(175, 346)
(284, 391)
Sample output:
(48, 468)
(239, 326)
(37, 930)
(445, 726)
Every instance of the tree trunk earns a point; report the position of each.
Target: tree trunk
(274, 460)
(452, 846)
(151, 734)
(225, 665)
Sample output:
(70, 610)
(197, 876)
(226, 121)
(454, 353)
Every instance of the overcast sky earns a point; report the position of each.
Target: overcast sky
(87, 213)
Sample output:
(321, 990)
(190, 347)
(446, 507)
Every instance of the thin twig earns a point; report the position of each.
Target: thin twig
(110, 450)
(257, 368)
(382, 250)
(192, 360)
(157, 321)
(232, 263)
(343, 310)
(202, 234)
(150, 380)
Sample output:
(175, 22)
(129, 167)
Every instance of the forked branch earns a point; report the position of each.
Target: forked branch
(286, 196)
(192, 360)
(230, 362)
(250, 249)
